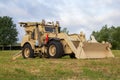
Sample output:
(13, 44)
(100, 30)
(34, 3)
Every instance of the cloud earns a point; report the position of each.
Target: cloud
(76, 15)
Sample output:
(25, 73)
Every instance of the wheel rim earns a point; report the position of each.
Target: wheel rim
(52, 50)
(27, 52)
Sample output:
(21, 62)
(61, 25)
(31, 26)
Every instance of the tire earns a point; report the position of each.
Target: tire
(55, 49)
(27, 51)
(72, 56)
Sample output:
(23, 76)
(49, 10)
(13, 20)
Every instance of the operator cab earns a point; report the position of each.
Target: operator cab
(50, 29)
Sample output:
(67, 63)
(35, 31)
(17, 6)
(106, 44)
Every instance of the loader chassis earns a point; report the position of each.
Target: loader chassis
(45, 40)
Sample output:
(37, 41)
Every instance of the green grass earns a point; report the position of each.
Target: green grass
(59, 69)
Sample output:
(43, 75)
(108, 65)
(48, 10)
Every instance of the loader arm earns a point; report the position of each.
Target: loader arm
(87, 49)
(79, 53)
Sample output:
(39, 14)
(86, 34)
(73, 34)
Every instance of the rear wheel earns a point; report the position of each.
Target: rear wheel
(55, 49)
(27, 51)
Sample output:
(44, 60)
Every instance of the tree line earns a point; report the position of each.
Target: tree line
(8, 33)
(109, 34)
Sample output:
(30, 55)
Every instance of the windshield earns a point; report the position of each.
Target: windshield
(49, 29)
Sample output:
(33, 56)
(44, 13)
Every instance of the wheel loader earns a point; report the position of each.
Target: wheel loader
(44, 39)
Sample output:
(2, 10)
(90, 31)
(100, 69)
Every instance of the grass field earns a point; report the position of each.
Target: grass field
(59, 69)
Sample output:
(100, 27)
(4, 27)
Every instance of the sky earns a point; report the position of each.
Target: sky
(75, 15)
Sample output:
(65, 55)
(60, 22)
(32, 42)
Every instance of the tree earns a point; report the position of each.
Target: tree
(110, 35)
(116, 38)
(8, 31)
(64, 30)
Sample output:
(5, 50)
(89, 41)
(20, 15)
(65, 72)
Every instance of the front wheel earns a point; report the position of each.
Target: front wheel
(27, 51)
(55, 49)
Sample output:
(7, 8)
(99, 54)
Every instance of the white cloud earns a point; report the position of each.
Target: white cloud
(76, 15)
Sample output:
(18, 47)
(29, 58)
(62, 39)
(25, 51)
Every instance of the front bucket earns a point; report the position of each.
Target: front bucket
(97, 50)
